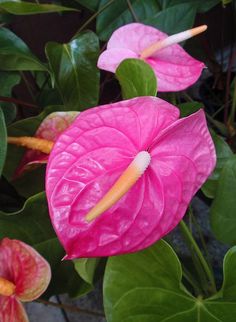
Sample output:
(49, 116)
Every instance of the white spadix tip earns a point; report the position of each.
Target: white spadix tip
(123, 184)
(171, 40)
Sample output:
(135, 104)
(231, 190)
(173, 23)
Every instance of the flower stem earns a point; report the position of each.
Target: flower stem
(189, 238)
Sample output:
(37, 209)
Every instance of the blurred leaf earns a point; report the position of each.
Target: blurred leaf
(15, 54)
(136, 78)
(3, 144)
(174, 19)
(91, 4)
(223, 153)
(32, 225)
(225, 2)
(17, 7)
(223, 209)
(119, 14)
(201, 6)
(7, 81)
(146, 287)
(74, 70)
(189, 108)
(26, 127)
(86, 268)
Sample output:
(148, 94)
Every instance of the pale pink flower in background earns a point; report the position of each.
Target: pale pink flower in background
(158, 160)
(50, 128)
(24, 276)
(175, 69)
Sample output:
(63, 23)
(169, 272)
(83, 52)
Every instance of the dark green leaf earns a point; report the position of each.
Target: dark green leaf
(91, 4)
(136, 78)
(7, 81)
(189, 108)
(3, 144)
(146, 287)
(202, 6)
(27, 8)
(119, 14)
(74, 70)
(223, 153)
(15, 54)
(86, 268)
(32, 225)
(174, 19)
(223, 209)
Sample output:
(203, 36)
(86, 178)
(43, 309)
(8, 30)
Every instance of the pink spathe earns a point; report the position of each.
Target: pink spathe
(28, 271)
(93, 152)
(175, 69)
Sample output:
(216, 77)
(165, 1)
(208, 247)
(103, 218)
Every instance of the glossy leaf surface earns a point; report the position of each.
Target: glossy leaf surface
(74, 70)
(147, 287)
(16, 54)
(223, 209)
(136, 79)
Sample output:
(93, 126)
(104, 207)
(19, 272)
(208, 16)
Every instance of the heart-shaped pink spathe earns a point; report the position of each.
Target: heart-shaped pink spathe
(175, 69)
(50, 128)
(93, 152)
(28, 271)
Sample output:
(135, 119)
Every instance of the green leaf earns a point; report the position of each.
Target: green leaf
(223, 153)
(3, 145)
(15, 54)
(174, 19)
(91, 4)
(201, 6)
(32, 225)
(223, 209)
(74, 70)
(27, 8)
(7, 81)
(189, 108)
(146, 287)
(86, 268)
(136, 78)
(119, 14)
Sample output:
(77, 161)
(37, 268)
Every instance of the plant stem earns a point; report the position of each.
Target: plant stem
(132, 11)
(187, 234)
(189, 278)
(70, 308)
(95, 15)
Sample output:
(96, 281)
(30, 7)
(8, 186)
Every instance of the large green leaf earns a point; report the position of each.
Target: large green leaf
(7, 81)
(202, 6)
(146, 287)
(223, 153)
(3, 144)
(136, 78)
(86, 268)
(119, 14)
(17, 7)
(189, 108)
(15, 54)
(223, 209)
(32, 225)
(174, 19)
(74, 70)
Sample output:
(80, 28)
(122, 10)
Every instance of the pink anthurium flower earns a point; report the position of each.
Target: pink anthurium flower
(122, 175)
(174, 68)
(51, 127)
(24, 276)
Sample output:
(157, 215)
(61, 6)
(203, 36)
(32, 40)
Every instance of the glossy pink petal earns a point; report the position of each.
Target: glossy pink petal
(175, 69)
(23, 266)
(11, 310)
(89, 157)
(85, 162)
(51, 127)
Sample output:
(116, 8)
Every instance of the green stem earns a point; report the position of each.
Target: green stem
(189, 278)
(95, 15)
(132, 11)
(190, 239)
